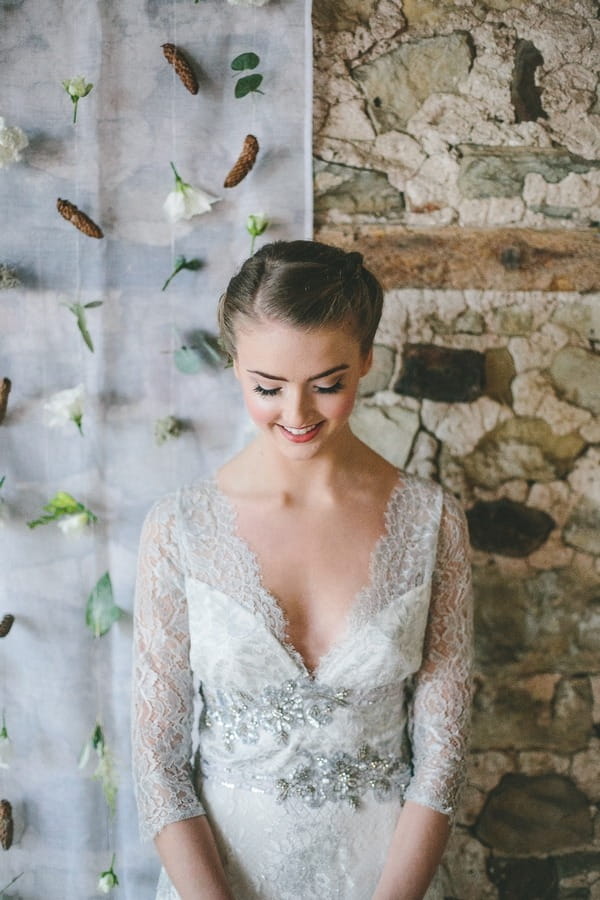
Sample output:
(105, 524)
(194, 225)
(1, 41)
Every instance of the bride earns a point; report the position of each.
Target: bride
(302, 625)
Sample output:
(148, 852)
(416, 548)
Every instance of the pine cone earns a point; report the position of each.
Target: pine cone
(6, 624)
(244, 163)
(5, 386)
(6, 825)
(77, 218)
(175, 57)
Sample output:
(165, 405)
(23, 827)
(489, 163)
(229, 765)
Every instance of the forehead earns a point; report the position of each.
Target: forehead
(277, 348)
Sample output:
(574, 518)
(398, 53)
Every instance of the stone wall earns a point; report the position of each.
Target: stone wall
(457, 144)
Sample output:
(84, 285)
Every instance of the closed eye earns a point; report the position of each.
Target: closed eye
(338, 386)
(266, 392)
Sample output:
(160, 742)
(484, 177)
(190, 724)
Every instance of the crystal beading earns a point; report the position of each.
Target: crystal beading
(276, 710)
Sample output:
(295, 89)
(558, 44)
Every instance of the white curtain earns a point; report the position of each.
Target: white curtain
(56, 679)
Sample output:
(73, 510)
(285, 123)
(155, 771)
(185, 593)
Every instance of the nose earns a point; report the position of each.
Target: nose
(298, 408)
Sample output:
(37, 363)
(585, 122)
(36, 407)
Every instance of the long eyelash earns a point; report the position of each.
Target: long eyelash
(265, 392)
(338, 386)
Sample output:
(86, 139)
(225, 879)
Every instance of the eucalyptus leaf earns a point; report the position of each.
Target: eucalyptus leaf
(247, 85)
(92, 304)
(188, 360)
(101, 611)
(245, 61)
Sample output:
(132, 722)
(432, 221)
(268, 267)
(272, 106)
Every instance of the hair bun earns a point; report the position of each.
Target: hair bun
(352, 266)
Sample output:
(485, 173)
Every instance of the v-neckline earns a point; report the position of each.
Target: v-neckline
(272, 602)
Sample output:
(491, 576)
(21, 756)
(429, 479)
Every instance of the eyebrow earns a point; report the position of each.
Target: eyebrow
(332, 371)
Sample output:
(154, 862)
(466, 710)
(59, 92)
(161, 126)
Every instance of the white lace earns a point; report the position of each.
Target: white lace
(201, 608)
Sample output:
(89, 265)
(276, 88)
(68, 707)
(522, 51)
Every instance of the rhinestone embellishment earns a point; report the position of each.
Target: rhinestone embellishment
(277, 710)
(345, 777)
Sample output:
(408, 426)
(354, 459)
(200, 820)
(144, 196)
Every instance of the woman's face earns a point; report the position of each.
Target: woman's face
(299, 386)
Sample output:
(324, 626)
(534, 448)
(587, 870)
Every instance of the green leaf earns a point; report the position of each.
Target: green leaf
(2, 480)
(101, 611)
(93, 304)
(82, 325)
(188, 360)
(63, 504)
(245, 61)
(247, 85)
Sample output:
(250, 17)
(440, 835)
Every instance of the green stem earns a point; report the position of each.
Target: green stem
(252, 240)
(75, 101)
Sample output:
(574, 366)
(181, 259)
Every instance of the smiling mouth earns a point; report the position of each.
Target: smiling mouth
(300, 434)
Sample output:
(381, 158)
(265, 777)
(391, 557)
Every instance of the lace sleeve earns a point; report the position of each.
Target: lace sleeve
(442, 696)
(162, 680)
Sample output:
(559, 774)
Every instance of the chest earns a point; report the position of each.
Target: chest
(314, 564)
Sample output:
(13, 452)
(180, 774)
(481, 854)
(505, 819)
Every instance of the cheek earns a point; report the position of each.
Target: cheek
(340, 406)
(260, 411)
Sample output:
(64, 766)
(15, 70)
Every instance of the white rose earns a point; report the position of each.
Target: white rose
(65, 406)
(12, 141)
(77, 87)
(74, 524)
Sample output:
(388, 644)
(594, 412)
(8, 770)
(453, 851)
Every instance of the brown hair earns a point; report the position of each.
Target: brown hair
(306, 284)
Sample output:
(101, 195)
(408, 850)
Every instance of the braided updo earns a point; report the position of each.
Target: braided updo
(305, 284)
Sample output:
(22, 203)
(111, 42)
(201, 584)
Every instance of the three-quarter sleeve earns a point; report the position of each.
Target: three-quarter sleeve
(162, 701)
(441, 704)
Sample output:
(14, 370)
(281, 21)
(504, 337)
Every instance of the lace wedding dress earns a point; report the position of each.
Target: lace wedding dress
(302, 774)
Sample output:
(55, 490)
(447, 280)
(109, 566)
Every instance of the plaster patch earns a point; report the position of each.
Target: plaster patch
(462, 425)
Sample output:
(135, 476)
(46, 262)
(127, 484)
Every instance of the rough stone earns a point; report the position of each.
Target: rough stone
(501, 172)
(576, 375)
(397, 82)
(512, 320)
(342, 15)
(525, 94)
(461, 426)
(470, 322)
(502, 259)
(389, 430)
(539, 814)
(464, 865)
(380, 374)
(508, 528)
(585, 477)
(539, 762)
(524, 879)
(499, 373)
(441, 373)
(583, 528)
(533, 395)
(522, 448)
(523, 625)
(423, 459)
(357, 193)
(582, 316)
(585, 771)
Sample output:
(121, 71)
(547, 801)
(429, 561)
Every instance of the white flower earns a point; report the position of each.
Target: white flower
(77, 88)
(186, 201)
(108, 880)
(65, 406)
(12, 141)
(74, 524)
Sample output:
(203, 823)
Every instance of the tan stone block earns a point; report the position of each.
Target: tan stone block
(585, 770)
(464, 864)
(595, 682)
(554, 497)
(585, 477)
(539, 762)
(554, 554)
(484, 770)
(460, 426)
(533, 352)
(541, 687)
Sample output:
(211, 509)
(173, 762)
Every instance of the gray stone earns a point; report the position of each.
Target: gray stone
(581, 316)
(501, 172)
(508, 528)
(380, 374)
(523, 625)
(397, 83)
(359, 192)
(583, 528)
(389, 430)
(512, 321)
(470, 322)
(499, 373)
(522, 448)
(537, 814)
(576, 376)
